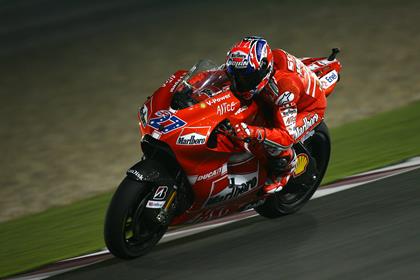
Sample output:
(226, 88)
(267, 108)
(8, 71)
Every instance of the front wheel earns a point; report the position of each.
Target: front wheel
(296, 194)
(128, 232)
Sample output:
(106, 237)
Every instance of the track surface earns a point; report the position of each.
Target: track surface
(369, 232)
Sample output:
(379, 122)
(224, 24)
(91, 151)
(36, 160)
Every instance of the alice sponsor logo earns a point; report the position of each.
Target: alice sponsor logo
(225, 107)
(307, 124)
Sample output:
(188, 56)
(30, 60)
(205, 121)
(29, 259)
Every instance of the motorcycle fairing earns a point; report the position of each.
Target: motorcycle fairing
(326, 70)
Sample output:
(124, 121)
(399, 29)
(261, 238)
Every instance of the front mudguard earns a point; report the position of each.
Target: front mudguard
(161, 186)
(151, 171)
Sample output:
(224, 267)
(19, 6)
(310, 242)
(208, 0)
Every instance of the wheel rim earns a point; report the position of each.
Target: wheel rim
(293, 194)
(139, 233)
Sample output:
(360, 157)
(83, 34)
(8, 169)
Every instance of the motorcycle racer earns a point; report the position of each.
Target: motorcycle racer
(288, 89)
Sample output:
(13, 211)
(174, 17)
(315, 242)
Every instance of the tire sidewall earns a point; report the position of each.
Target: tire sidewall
(128, 195)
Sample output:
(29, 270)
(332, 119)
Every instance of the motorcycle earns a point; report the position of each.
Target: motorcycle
(192, 172)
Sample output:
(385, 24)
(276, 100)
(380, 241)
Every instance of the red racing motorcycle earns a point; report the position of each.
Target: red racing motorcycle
(192, 172)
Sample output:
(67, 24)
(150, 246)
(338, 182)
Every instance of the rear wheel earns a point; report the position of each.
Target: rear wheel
(128, 232)
(296, 194)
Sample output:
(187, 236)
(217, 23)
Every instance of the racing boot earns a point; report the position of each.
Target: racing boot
(275, 184)
(280, 170)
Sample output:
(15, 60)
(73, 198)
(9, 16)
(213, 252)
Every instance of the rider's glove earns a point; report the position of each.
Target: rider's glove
(248, 133)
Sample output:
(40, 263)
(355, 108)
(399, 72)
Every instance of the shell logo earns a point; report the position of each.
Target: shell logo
(302, 163)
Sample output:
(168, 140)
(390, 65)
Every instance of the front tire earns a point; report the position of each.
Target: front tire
(128, 232)
(295, 196)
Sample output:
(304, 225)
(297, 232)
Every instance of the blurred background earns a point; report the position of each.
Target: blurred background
(73, 74)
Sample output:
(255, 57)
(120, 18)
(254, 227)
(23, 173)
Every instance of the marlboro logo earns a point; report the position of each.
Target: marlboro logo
(239, 184)
(193, 136)
(307, 124)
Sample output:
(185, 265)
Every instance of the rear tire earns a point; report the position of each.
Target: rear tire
(128, 233)
(293, 197)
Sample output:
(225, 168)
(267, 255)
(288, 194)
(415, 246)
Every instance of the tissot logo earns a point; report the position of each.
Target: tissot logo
(193, 136)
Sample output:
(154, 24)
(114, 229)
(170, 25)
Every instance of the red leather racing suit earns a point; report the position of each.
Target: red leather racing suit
(297, 100)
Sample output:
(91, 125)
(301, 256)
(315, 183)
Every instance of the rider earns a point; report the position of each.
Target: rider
(291, 91)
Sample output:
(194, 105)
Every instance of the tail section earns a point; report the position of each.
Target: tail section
(327, 69)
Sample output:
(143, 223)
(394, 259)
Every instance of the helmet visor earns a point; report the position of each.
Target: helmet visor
(244, 79)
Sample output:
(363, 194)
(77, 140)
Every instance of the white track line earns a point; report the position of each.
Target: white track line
(327, 191)
(408, 163)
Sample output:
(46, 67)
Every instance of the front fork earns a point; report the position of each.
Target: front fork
(168, 195)
(174, 201)
(163, 217)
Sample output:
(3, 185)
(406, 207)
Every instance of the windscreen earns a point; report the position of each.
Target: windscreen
(204, 80)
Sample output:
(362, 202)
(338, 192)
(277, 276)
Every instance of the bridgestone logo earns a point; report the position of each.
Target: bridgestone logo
(191, 140)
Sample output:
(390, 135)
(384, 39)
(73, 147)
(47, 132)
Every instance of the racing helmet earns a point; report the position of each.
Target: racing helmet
(249, 65)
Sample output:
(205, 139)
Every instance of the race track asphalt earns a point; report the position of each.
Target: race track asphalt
(369, 232)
